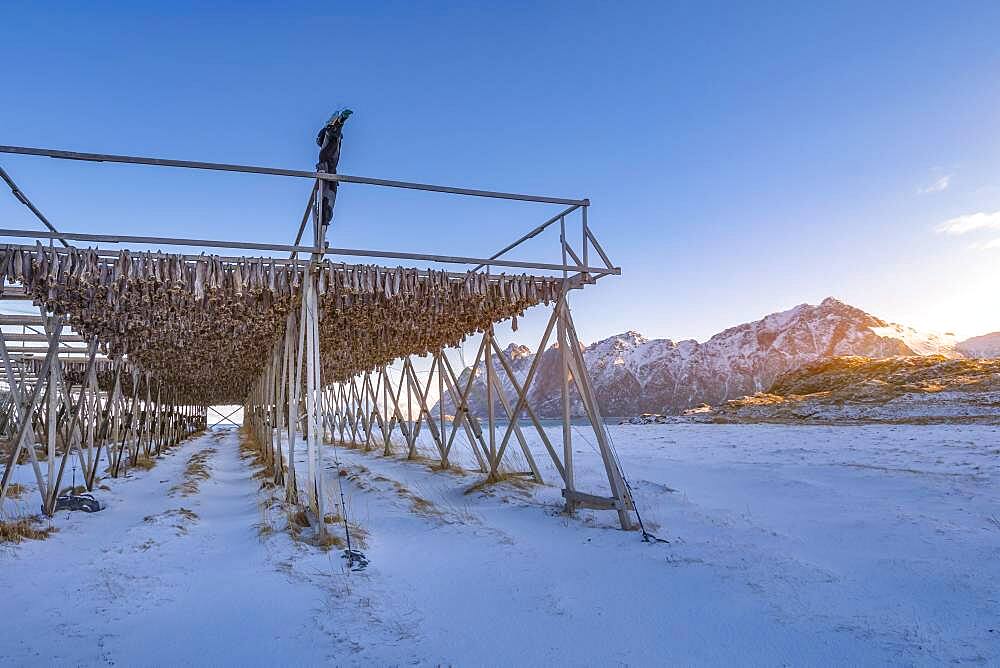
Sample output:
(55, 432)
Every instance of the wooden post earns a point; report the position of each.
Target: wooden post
(51, 426)
(294, 383)
(619, 491)
(566, 426)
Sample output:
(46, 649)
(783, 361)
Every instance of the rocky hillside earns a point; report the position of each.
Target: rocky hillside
(898, 389)
(632, 374)
(987, 345)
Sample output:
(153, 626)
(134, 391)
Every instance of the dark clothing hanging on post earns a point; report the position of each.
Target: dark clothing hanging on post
(329, 140)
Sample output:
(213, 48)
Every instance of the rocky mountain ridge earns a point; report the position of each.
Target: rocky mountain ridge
(632, 374)
(985, 346)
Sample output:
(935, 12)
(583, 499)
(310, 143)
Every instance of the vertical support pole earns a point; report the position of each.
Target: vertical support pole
(314, 380)
(387, 432)
(410, 437)
(566, 426)
(92, 413)
(50, 424)
(294, 384)
(569, 477)
(490, 417)
(443, 431)
(280, 372)
(619, 491)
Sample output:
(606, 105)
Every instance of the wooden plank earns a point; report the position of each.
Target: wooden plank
(583, 500)
(276, 171)
(19, 336)
(284, 248)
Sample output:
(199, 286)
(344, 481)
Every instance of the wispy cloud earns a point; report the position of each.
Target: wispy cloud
(940, 184)
(986, 245)
(980, 220)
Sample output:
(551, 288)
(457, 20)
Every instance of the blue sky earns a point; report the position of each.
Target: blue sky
(741, 157)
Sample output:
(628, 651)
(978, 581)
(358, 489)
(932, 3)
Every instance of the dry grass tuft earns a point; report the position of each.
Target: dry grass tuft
(298, 518)
(187, 514)
(16, 490)
(250, 450)
(265, 527)
(25, 528)
(421, 506)
(418, 504)
(359, 536)
(334, 531)
(143, 462)
(7, 447)
(454, 469)
(331, 537)
(196, 471)
(329, 540)
(177, 518)
(297, 522)
(485, 485)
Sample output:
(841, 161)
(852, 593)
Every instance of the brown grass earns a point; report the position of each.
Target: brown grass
(186, 516)
(196, 471)
(143, 462)
(489, 481)
(334, 533)
(454, 469)
(250, 450)
(265, 527)
(25, 528)
(6, 447)
(16, 490)
(328, 541)
(418, 504)
(298, 518)
(332, 537)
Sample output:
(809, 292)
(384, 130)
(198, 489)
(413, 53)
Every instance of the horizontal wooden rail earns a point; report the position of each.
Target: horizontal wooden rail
(29, 320)
(274, 171)
(154, 241)
(41, 338)
(348, 252)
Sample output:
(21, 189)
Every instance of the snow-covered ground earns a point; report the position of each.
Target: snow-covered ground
(790, 545)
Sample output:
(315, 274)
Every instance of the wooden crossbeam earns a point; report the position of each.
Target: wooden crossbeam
(276, 171)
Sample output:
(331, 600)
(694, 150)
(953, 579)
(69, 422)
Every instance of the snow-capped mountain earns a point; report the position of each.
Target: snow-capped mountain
(632, 374)
(987, 345)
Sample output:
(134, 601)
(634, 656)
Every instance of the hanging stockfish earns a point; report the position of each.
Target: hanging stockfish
(206, 325)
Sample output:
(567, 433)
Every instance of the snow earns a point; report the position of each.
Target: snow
(922, 343)
(802, 545)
